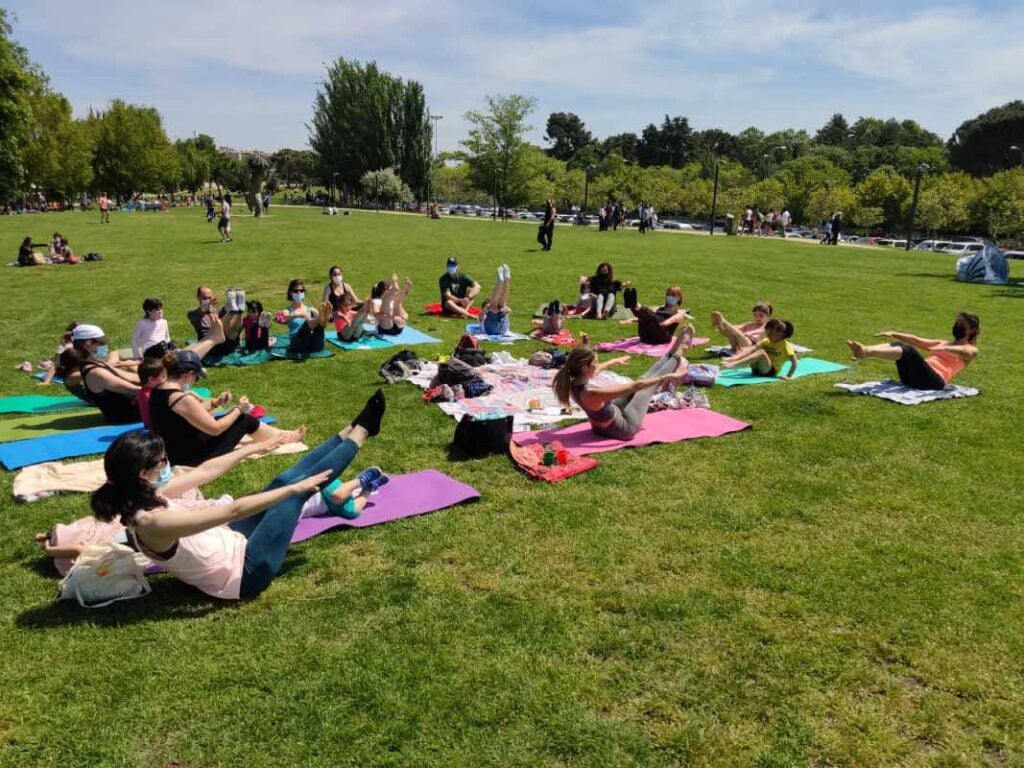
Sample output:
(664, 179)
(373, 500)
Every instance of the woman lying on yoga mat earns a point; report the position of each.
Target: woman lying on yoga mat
(230, 316)
(336, 288)
(946, 359)
(91, 376)
(496, 309)
(748, 334)
(767, 357)
(655, 326)
(233, 550)
(388, 302)
(190, 431)
(618, 411)
(305, 324)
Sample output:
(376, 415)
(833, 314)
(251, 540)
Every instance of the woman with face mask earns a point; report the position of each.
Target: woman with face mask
(98, 378)
(231, 317)
(604, 286)
(229, 550)
(945, 358)
(336, 288)
(305, 324)
(656, 326)
(190, 431)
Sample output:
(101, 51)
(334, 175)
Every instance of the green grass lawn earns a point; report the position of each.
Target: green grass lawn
(840, 585)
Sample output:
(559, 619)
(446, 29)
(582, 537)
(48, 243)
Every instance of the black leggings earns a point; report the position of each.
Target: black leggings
(307, 340)
(649, 327)
(914, 371)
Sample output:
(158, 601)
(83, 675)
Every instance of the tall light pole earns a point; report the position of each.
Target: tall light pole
(714, 193)
(334, 186)
(1016, 148)
(433, 187)
(770, 156)
(913, 206)
(586, 187)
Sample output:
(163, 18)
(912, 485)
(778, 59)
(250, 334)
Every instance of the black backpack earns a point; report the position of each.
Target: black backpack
(472, 357)
(399, 366)
(455, 371)
(475, 438)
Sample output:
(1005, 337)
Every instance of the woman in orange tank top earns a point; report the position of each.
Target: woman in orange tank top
(946, 358)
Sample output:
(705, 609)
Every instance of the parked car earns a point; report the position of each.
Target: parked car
(1014, 254)
(963, 249)
(670, 224)
(968, 239)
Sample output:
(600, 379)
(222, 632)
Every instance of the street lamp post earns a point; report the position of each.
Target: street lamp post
(433, 186)
(586, 188)
(1016, 148)
(913, 206)
(334, 186)
(714, 200)
(770, 156)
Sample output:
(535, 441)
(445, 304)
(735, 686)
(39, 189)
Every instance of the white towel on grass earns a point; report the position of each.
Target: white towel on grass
(898, 393)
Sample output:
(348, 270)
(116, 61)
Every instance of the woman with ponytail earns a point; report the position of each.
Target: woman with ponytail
(230, 550)
(945, 360)
(617, 411)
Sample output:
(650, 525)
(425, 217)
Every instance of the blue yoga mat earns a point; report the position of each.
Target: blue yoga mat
(808, 366)
(82, 442)
(407, 338)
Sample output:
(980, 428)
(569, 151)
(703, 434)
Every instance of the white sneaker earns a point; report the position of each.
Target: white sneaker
(229, 297)
(508, 272)
(239, 300)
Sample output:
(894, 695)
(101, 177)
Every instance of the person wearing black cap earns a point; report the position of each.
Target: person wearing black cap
(457, 290)
(191, 433)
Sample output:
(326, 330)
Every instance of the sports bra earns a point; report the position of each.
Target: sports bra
(602, 415)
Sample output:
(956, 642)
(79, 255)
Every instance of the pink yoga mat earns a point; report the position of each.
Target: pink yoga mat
(633, 346)
(405, 496)
(660, 427)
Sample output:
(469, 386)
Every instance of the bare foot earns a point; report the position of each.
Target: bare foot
(325, 313)
(716, 319)
(216, 333)
(729, 363)
(856, 349)
(296, 435)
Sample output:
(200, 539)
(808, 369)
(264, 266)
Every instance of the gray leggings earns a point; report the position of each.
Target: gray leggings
(630, 410)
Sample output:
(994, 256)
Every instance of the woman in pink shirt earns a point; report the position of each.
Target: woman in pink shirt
(232, 550)
(946, 359)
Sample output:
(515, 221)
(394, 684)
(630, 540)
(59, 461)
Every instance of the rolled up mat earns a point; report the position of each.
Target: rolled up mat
(660, 427)
(808, 366)
(404, 496)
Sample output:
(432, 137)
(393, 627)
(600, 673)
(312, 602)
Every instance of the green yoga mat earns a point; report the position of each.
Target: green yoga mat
(808, 366)
(25, 427)
(40, 404)
(282, 354)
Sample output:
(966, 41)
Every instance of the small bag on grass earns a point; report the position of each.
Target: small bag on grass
(105, 573)
(475, 437)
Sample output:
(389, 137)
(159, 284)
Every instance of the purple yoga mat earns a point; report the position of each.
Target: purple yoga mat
(404, 496)
(660, 427)
(633, 346)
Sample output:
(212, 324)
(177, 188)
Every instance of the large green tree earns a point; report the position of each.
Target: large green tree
(364, 119)
(495, 148)
(133, 153)
(567, 134)
(17, 80)
(57, 150)
(982, 145)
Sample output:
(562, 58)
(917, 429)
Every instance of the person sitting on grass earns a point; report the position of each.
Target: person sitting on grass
(617, 411)
(388, 304)
(656, 326)
(151, 337)
(348, 322)
(231, 316)
(152, 374)
(604, 286)
(457, 290)
(230, 551)
(336, 288)
(305, 324)
(767, 356)
(496, 309)
(190, 430)
(742, 336)
(945, 358)
(99, 380)
(256, 326)
(27, 255)
(585, 306)
(54, 367)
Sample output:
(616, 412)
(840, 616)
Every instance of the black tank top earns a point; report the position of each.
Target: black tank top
(115, 407)
(184, 443)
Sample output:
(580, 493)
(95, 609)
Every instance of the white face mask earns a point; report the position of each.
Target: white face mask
(336, 279)
(671, 301)
(205, 304)
(298, 296)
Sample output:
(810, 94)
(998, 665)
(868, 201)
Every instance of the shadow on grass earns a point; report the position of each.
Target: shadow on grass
(169, 600)
(77, 421)
(943, 276)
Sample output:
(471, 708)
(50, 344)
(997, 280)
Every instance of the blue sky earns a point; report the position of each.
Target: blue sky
(247, 73)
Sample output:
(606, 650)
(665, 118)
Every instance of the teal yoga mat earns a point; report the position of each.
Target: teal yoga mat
(808, 366)
(41, 404)
(407, 338)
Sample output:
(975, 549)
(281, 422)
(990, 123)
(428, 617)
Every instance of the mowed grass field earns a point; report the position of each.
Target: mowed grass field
(843, 584)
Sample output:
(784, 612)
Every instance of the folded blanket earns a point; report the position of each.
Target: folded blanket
(41, 481)
(898, 393)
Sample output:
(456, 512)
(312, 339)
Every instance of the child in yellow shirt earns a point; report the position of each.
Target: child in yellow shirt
(767, 357)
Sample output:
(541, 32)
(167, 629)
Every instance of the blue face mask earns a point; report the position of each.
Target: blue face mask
(452, 270)
(298, 296)
(165, 477)
(101, 352)
(671, 301)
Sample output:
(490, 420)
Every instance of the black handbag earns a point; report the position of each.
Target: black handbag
(475, 438)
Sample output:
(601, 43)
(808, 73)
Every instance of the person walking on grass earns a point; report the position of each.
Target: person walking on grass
(104, 208)
(224, 227)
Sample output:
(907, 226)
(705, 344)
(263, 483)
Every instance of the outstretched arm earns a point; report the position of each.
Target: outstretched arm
(792, 368)
(216, 467)
(912, 340)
